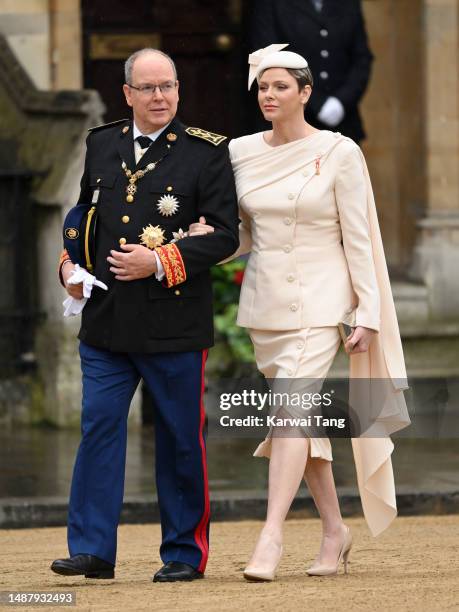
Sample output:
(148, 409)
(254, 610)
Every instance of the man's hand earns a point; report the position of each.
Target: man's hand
(200, 229)
(75, 291)
(136, 262)
(359, 340)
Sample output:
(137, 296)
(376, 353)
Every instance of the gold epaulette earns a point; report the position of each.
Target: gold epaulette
(105, 125)
(214, 139)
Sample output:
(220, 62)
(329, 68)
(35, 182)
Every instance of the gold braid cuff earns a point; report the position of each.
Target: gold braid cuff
(173, 265)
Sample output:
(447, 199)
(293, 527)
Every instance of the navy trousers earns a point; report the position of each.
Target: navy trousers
(176, 382)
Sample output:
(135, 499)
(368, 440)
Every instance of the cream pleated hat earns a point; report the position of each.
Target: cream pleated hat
(273, 57)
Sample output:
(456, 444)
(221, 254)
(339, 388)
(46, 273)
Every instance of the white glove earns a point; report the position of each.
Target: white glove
(72, 306)
(332, 112)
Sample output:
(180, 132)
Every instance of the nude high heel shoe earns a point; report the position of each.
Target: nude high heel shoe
(325, 570)
(254, 574)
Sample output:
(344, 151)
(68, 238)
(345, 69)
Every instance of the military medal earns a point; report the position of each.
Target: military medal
(179, 235)
(152, 236)
(167, 205)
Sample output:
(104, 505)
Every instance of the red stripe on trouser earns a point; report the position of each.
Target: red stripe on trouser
(200, 534)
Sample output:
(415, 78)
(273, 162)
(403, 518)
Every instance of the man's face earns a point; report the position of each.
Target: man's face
(152, 110)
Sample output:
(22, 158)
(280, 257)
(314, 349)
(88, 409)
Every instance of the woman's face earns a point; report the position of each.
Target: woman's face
(278, 95)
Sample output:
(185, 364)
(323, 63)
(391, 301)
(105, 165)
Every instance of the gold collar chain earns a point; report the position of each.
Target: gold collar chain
(133, 177)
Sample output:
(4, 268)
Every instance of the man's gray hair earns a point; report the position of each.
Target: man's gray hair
(129, 64)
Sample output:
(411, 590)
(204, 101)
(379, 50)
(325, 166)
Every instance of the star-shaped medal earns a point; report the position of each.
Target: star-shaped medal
(152, 236)
(167, 205)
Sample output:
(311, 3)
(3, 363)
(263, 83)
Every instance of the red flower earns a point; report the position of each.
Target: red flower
(238, 277)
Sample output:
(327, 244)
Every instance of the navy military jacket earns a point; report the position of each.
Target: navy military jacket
(333, 41)
(147, 315)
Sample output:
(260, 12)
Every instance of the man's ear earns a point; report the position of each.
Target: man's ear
(127, 94)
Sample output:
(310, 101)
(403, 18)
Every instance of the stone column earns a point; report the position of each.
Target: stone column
(436, 256)
(393, 112)
(65, 44)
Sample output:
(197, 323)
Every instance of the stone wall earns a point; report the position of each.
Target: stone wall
(43, 133)
(45, 36)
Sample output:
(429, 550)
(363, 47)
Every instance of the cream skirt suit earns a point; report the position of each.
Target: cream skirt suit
(308, 220)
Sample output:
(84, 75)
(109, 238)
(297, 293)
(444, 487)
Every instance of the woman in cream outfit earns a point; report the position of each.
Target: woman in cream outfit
(308, 220)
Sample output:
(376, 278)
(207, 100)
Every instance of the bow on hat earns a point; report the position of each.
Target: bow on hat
(273, 57)
(256, 57)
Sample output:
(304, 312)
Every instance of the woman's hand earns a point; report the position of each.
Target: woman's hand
(200, 229)
(359, 340)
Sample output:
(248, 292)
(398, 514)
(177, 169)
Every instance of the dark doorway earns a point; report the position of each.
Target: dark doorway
(205, 39)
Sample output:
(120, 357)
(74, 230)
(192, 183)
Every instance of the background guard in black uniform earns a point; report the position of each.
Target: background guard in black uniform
(331, 35)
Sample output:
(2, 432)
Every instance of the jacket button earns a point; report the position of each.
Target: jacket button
(324, 33)
(324, 53)
(177, 292)
(293, 307)
(287, 248)
(169, 188)
(98, 180)
(290, 372)
(291, 278)
(125, 219)
(299, 345)
(324, 74)
(291, 196)
(122, 241)
(287, 221)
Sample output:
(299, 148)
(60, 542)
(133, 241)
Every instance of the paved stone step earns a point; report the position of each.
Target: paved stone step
(225, 506)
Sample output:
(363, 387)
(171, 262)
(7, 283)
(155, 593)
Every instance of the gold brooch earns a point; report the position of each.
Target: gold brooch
(171, 137)
(167, 205)
(152, 236)
(317, 163)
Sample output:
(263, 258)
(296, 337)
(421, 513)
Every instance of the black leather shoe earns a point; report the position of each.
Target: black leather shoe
(87, 565)
(174, 571)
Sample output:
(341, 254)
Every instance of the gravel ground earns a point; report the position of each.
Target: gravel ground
(414, 566)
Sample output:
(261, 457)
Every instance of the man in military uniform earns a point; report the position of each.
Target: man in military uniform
(148, 179)
(331, 35)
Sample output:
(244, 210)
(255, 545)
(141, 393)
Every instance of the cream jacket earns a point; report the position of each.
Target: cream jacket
(310, 224)
(303, 208)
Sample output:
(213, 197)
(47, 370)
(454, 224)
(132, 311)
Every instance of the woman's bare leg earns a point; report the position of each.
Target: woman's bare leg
(319, 478)
(286, 469)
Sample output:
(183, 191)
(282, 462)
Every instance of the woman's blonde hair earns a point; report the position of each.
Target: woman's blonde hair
(303, 76)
